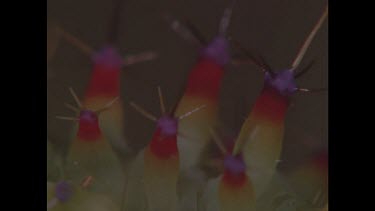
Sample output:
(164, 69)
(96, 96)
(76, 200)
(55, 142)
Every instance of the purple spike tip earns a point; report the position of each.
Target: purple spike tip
(282, 81)
(63, 191)
(108, 56)
(88, 116)
(168, 125)
(217, 50)
(234, 164)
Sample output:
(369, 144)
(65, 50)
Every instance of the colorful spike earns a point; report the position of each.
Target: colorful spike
(233, 189)
(104, 84)
(91, 154)
(202, 88)
(262, 133)
(161, 159)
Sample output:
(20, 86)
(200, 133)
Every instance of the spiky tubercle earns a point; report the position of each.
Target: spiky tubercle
(202, 88)
(90, 154)
(161, 166)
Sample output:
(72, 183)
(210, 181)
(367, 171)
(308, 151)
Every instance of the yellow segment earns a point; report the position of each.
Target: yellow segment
(160, 178)
(262, 145)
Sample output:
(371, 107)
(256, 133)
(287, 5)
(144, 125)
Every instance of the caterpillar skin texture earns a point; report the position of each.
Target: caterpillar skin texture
(263, 131)
(203, 88)
(72, 198)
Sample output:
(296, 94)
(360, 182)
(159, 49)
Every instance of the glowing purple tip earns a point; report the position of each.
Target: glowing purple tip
(235, 165)
(108, 56)
(88, 116)
(168, 125)
(217, 50)
(63, 191)
(282, 81)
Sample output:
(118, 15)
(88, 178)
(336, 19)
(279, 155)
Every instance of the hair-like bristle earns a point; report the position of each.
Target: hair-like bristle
(107, 106)
(143, 112)
(225, 20)
(75, 41)
(73, 93)
(218, 141)
(161, 101)
(191, 112)
(308, 40)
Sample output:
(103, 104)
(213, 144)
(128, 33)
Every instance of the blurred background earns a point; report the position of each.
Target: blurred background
(273, 28)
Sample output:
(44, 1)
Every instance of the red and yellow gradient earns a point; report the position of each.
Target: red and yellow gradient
(262, 135)
(234, 189)
(236, 192)
(203, 88)
(161, 168)
(104, 86)
(91, 152)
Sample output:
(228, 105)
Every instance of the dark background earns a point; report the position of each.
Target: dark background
(274, 28)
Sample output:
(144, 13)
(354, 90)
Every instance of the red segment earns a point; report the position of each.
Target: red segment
(271, 105)
(205, 79)
(105, 81)
(88, 126)
(89, 131)
(234, 180)
(163, 146)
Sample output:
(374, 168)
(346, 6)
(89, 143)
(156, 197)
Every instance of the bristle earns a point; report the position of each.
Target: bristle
(240, 142)
(218, 142)
(76, 42)
(182, 30)
(226, 19)
(161, 101)
(251, 58)
(87, 182)
(143, 112)
(308, 41)
(107, 106)
(71, 107)
(317, 197)
(75, 97)
(311, 90)
(142, 57)
(196, 32)
(191, 112)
